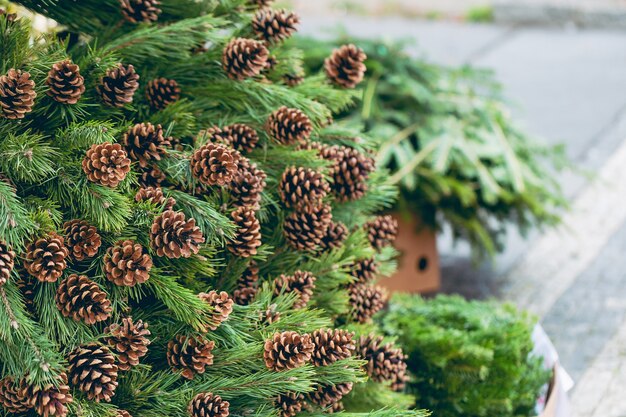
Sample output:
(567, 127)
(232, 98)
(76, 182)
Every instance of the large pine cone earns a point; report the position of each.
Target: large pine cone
(244, 58)
(222, 306)
(302, 186)
(51, 399)
(80, 298)
(289, 126)
(174, 236)
(247, 185)
(239, 136)
(366, 300)
(327, 395)
(332, 346)
(382, 231)
(247, 285)
(305, 229)
(14, 396)
(275, 25)
(17, 94)
(248, 234)
(345, 66)
(140, 11)
(350, 171)
(290, 404)
(118, 86)
(364, 270)
(92, 369)
(145, 143)
(129, 341)
(7, 262)
(215, 164)
(206, 404)
(106, 164)
(385, 362)
(127, 263)
(336, 234)
(155, 196)
(46, 258)
(82, 239)
(301, 283)
(287, 350)
(191, 355)
(65, 83)
(162, 92)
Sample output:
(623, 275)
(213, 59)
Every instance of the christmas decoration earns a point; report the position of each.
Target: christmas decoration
(244, 58)
(206, 404)
(82, 239)
(106, 164)
(118, 86)
(162, 92)
(129, 341)
(127, 263)
(331, 346)
(7, 262)
(174, 236)
(300, 187)
(46, 258)
(289, 126)
(65, 83)
(215, 164)
(138, 11)
(222, 306)
(189, 355)
(274, 25)
(247, 185)
(17, 94)
(288, 350)
(81, 299)
(145, 143)
(366, 301)
(305, 229)
(248, 234)
(382, 231)
(301, 283)
(345, 67)
(93, 371)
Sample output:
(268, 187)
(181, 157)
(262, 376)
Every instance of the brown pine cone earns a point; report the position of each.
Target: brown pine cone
(123, 413)
(244, 58)
(14, 396)
(80, 298)
(215, 164)
(248, 235)
(206, 404)
(106, 164)
(261, 3)
(332, 346)
(140, 11)
(302, 283)
(191, 355)
(92, 370)
(302, 186)
(26, 285)
(118, 86)
(350, 172)
(345, 66)
(270, 316)
(240, 136)
(65, 83)
(17, 94)
(247, 185)
(155, 196)
(51, 399)
(327, 395)
(7, 262)
(152, 176)
(247, 285)
(336, 234)
(287, 350)
(305, 229)
(174, 236)
(127, 263)
(46, 258)
(83, 240)
(293, 80)
(366, 300)
(275, 25)
(129, 341)
(364, 270)
(382, 231)
(337, 407)
(145, 143)
(162, 92)
(289, 126)
(384, 361)
(290, 404)
(222, 306)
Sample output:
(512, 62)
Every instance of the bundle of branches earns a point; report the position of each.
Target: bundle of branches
(181, 225)
(452, 145)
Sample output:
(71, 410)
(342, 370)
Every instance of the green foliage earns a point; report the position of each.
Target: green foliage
(480, 14)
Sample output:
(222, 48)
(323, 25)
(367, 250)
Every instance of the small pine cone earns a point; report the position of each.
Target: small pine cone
(345, 66)
(336, 234)
(152, 176)
(364, 270)
(174, 236)
(7, 262)
(155, 196)
(106, 164)
(270, 316)
(127, 263)
(65, 83)
(17, 94)
(327, 395)
(248, 235)
(302, 186)
(384, 361)
(129, 341)
(14, 396)
(290, 404)
(206, 404)
(80, 298)
(248, 185)
(247, 285)
(82, 239)
(301, 283)
(118, 86)
(123, 413)
(382, 231)
(46, 258)
(191, 355)
(145, 143)
(350, 173)
(366, 300)
(162, 92)
(26, 285)
(222, 306)
(289, 126)
(92, 370)
(287, 350)
(140, 11)
(305, 229)
(215, 164)
(275, 25)
(332, 346)
(293, 80)
(244, 58)
(240, 136)
(51, 399)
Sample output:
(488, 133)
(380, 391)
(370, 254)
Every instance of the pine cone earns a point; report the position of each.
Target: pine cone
(337, 407)
(293, 80)
(366, 300)
(140, 11)
(65, 83)
(17, 94)
(270, 316)
(206, 404)
(92, 370)
(345, 66)
(327, 395)
(106, 164)
(173, 236)
(302, 186)
(289, 126)
(155, 196)
(80, 298)
(222, 306)
(247, 285)
(123, 413)
(364, 270)
(152, 176)
(332, 346)
(350, 172)
(240, 136)
(162, 92)
(290, 404)
(384, 361)
(7, 262)
(382, 231)
(215, 164)
(26, 285)
(118, 86)
(247, 185)
(127, 263)
(274, 26)
(14, 396)
(336, 234)
(305, 229)
(191, 355)
(145, 143)
(244, 58)
(261, 3)
(83, 240)
(46, 258)
(301, 283)
(287, 350)
(51, 399)
(129, 341)
(248, 235)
